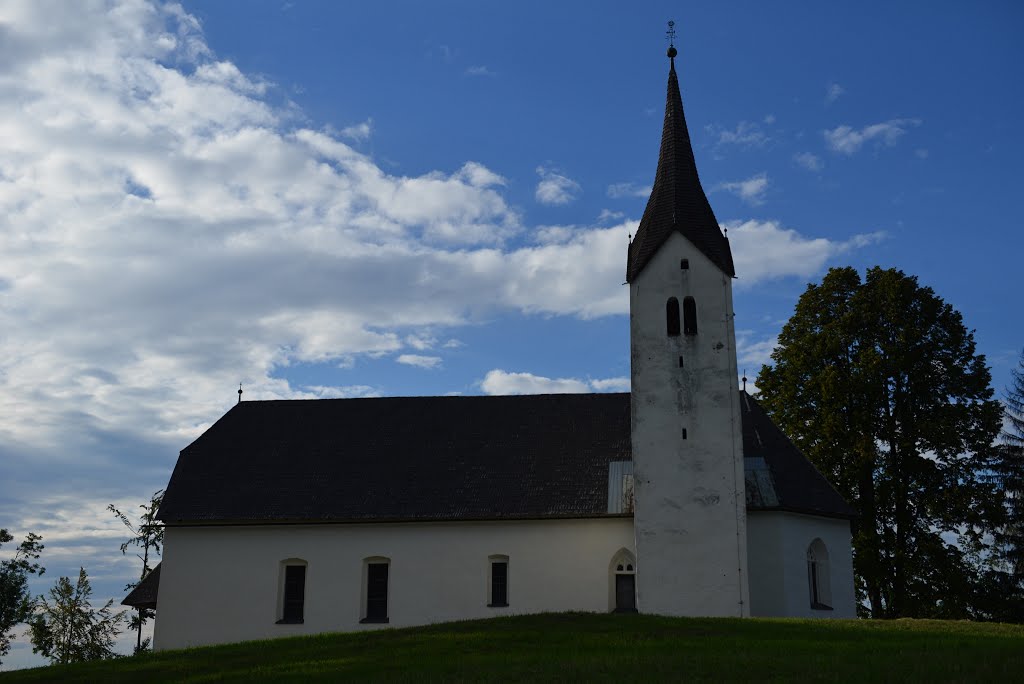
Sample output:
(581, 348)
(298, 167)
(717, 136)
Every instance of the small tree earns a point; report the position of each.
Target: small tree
(147, 535)
(67, 629)
(1009, 473)
(15, 600)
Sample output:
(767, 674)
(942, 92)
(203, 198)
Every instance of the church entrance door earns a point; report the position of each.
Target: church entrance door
(625, 593)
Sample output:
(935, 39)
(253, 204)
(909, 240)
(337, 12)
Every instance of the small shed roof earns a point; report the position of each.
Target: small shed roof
(145, 592)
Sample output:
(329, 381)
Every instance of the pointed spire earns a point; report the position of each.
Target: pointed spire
(677, 201)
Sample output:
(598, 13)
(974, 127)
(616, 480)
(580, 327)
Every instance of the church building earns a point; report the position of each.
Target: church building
(680, 497)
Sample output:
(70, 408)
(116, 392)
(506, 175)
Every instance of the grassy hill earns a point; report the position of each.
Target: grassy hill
(592, 647)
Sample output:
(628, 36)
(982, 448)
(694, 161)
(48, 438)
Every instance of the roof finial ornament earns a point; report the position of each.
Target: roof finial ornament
(671, 33)
(239, 393)
(744, 379)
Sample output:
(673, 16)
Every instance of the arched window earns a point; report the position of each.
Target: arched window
(819, 582)
(376, 571)
(684, 264)
(291, 591)
(622, 583)
(672, 316)
(689, 316)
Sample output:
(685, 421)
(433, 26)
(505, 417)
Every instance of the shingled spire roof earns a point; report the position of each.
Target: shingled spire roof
(677, 201)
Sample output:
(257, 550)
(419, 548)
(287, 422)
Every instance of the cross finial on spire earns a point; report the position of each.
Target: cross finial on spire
(239, 393)
(744, 380)
(671, 33)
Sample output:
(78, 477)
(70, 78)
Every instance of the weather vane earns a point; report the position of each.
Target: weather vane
(671, 33)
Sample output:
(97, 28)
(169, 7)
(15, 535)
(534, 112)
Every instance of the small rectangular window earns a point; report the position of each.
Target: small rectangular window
(294, 593)
(499, 583)
(377, 592)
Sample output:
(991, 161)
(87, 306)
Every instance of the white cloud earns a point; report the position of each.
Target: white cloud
(620, 384)
(764, 249)
(421, 341)
(620, 190)
(358, 132)
(499, 382)
(419, 361)
(479, 71)
(478, 175)
(811, 162)
(609, 215)
(555, 188)
(342, 391)
(553, 235)
(746, 134)
(753, 353)
(848, 140)
(750, 190)
(833, 92)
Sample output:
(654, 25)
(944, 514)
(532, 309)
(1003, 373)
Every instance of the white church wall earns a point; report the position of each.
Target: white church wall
(221, 584)
(690, 504)
(777, 546)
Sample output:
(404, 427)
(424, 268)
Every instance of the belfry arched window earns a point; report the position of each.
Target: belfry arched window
(689, 316)
(672, 316)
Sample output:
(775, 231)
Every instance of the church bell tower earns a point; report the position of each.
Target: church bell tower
(690, 507)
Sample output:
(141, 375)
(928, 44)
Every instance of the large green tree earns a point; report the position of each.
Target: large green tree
(879, 383)
(147, 536)
(67, 629)
(15, 599)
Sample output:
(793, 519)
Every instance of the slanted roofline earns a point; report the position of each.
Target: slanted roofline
(677, 201)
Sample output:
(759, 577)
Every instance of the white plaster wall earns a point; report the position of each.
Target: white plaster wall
(690, 503)
(220, 584)
(777, 553)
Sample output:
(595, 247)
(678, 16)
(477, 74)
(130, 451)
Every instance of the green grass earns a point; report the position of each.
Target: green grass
(581, 647)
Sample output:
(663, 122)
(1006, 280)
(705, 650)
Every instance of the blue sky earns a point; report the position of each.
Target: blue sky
(325, 199)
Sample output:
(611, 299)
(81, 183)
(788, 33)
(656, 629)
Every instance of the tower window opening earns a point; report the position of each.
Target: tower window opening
(689, 316)
(680, 361)
(684, 433)
(684, 265)
(672, 316)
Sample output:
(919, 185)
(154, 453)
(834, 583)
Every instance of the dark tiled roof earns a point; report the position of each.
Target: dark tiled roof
(403, 458)
(145, 593)
(798, 486)
(436, 458)
(677, 201)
